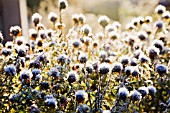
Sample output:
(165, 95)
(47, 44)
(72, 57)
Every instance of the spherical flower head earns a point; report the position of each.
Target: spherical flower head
(36, 18)
(116, 24)
(82, 58)
(15, 31)
(40, 26)
(1, 37)
(160, 9)
(158, 44)
(6, 52)
(62, 58)
(103, 21)
(9, 45)
(80, 95)
(158, 24)
(124, 60)
(81, 19)
(148, 19)
(104, 68)
(113, 35)
(128, 70)
(35, 72)
(166, 15)
(54, 72)
(10, 70)
(33, 109)
(135, 72)
(25, 75)
(89, 68)
(152, 90)
(44, 85)
(130, 40)
(117, 67)
(142, 35)
(123, 93)
(63, 4)
(99, 36)
(75, 18)
(141, 20)
(135, 95)
(76, 43)
(52, 17)
(51, 102)
(143, 58)
(13, 97)
(143, 90)
(33, 34)
(161, 69)
(72, 76)
(60, 26)
(110, 28)
(86, 29)
(152, 52)
(137, 53)
(133, 62)
(103, 55)
(42, 34)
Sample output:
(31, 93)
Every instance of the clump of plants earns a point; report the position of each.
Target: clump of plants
(115, 70)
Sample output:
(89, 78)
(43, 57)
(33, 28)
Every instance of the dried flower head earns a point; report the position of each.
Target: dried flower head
(63, 4)
(161, 69)
(76, 44)
(86, 29)
(103, 21)
(10, 70)
(52, 17)
(116, 24)
(137, 53)
(35, 72)
(72, 76)
(104, 68)
(40, 26)
(133, 62)
(160, 9)
(123, 93)
(15, 31)
(80, 95)
(36, 18)
(42, 34)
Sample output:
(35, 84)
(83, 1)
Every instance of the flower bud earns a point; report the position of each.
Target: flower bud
(103, 21)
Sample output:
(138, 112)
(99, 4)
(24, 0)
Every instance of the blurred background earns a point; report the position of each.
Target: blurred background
(116, 10)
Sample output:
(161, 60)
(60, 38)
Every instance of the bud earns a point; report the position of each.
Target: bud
(104, 68)
(161, 69)
(36, 18)
(72, 76)
(80, 95)
(135, 95)
(52, 17)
